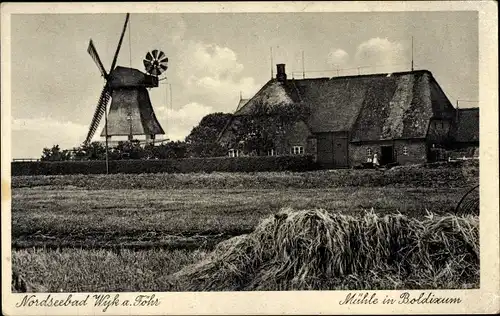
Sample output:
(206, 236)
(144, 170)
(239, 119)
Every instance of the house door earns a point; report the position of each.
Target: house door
(332, 150)
(340, 151)
(325, 150)
(387, 154)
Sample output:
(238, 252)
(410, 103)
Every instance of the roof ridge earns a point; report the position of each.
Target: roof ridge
(301, 100)
(260, 90)
(368, 75)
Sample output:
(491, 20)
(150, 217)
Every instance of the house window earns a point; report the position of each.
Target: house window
(234, 153)
(297, 150)
(271, 152)
(405, 150)
(369, 152)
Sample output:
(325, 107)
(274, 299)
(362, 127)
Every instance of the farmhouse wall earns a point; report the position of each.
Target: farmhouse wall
(416, 151)
(298, 135)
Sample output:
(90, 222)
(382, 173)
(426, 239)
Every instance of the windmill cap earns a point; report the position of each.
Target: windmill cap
(122, 77)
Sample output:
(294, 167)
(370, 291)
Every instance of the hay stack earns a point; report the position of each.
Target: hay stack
(313, 249)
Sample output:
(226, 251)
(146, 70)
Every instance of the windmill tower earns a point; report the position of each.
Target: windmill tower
(131, 112)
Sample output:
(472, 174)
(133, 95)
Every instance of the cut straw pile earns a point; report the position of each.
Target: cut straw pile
(317, 250)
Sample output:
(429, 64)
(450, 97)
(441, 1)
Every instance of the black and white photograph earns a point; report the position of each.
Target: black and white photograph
(153, 154)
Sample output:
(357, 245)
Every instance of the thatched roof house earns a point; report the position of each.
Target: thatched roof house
(399, 116)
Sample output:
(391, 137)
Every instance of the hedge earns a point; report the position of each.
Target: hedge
(187, 165)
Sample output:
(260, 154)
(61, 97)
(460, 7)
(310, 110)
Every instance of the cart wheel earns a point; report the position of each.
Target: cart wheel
(469, 204)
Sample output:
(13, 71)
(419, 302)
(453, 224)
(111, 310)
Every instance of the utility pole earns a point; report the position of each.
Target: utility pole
(171, 103)
(272, 69)
(412, 53)
(129, 118)
(106, 135)
(303, 68)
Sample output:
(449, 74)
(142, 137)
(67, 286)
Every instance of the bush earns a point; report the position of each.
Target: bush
(406, 176)
(188, 165)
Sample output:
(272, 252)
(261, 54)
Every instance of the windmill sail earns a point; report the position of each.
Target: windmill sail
(99, 112)
(93, 53)
(115, 58)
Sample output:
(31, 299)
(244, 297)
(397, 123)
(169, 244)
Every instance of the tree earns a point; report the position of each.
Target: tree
(92, 151)
(171, 150)
(55, 154)
(96, 151)
(202, 141)
(127, 150)
(266, 126)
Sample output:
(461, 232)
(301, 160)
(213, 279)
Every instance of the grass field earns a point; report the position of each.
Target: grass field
(78, 217)
(137, 230)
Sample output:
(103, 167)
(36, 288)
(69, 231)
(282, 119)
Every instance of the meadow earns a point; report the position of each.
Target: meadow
(138, 230)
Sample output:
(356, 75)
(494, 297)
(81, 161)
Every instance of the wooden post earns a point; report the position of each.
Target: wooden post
(412, 53)
(303, 67)
(106, 135)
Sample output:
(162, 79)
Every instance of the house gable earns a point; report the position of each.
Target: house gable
(467, 126)
(273, 94)
(398, 106)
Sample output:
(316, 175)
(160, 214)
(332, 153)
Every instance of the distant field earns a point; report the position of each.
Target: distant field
(109, 227)
(189, 218)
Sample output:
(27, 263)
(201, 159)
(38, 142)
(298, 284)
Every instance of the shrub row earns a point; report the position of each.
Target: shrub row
(466, 176)
(188, 165)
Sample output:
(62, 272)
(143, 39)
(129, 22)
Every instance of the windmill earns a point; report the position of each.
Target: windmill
(131, 112)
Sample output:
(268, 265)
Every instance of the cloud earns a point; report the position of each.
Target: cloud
(380, 51)
(338, 57)
(376, 55)
(36, 133)
(212, 75)
(179, 123)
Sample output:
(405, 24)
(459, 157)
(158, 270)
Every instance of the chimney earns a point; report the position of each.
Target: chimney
(281, 74)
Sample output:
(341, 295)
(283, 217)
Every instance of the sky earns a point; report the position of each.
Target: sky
(215, 57)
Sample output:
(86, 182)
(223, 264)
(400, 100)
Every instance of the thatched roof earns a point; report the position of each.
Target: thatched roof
(468, 125)
(241, 104)
(371, 107)
(273, 93)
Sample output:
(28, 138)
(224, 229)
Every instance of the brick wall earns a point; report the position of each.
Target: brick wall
(416, 151)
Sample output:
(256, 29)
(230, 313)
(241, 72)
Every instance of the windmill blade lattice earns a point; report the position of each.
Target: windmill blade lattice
(99, 112)
(155, 62)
